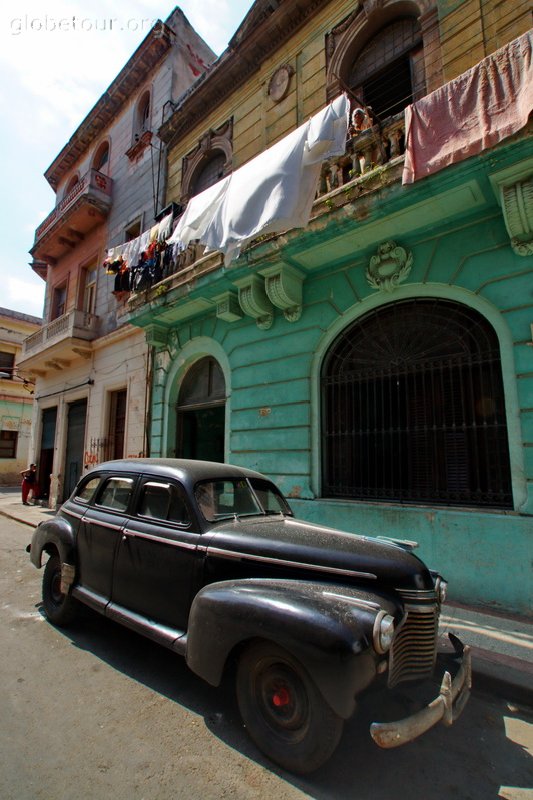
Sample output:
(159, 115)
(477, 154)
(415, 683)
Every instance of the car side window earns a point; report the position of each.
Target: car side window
(85, 492)
(116, 493)
(163, 501)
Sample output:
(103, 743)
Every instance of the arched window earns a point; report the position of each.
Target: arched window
(101, 157)
(388, 73)
(142, 115)
(209, 161)
(413, 408)
(209, 173)
(201, 412)
(71, 184)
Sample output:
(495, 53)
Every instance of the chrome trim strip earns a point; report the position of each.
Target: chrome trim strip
(283, 562)
(356, 601)
(162, 540)
(72, 513)
(162, 634)
(92, 599)
(102, 523)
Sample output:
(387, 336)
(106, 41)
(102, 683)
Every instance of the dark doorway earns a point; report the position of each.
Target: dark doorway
(201, 412)
(46, 457)
(117, 423)
(77, 413)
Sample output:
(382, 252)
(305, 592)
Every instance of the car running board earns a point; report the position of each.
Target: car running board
(173, 638)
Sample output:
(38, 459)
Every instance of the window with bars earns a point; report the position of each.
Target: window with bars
(209, 173)
(413, 408)
(8, 444)
(7, 364)
(388, 73)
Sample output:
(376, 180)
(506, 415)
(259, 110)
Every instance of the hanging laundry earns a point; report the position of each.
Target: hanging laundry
(272, 192)
(476, 110)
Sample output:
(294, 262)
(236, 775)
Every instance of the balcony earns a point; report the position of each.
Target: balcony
(356, 172)
(85, 207)
(365, 152)
(57, 344)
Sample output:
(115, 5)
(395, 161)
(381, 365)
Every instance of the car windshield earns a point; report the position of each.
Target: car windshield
(224, 499)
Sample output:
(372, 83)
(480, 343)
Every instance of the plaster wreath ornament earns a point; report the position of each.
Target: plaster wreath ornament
(390, 266)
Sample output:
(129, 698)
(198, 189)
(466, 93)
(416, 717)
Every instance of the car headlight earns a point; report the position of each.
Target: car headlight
(383, 632)
(441, 588)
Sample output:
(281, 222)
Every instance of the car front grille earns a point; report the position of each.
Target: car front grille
(413, 652)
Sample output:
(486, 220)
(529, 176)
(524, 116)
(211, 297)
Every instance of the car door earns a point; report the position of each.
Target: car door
(157, 558)
(99, 535)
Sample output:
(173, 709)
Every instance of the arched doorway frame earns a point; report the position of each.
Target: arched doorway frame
(458, 295)
(193, 351)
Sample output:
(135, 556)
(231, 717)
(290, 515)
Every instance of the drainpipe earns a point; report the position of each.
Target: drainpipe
(148, 399)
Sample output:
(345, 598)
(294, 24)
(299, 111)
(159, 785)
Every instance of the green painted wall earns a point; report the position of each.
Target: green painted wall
(273, 376)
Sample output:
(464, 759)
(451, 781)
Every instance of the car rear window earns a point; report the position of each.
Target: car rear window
(84, 493)
(116, 493)
(163, 501)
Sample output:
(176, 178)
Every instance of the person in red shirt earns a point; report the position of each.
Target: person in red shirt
(29, 484)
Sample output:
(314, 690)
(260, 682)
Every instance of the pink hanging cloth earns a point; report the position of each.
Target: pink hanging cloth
(476, 110)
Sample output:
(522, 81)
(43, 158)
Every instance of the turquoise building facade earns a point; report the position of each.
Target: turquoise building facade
(377, 364)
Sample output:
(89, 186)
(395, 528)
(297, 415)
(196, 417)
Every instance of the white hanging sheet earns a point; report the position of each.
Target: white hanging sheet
(271, 193)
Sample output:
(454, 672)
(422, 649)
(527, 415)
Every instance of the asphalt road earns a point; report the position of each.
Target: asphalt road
(99, 712)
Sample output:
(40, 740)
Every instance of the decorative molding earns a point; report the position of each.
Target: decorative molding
(219, 139)
(517, 205)
(156, 335)
(139, 146)
(228, 307)
(283, 285)
(390, 266)
(254, 301)
(280, 82)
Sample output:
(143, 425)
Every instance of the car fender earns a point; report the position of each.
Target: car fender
(327, 627)
(56, 533)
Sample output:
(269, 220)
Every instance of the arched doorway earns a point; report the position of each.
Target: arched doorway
(200, 412)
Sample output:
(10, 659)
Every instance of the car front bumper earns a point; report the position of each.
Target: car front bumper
(446, 707)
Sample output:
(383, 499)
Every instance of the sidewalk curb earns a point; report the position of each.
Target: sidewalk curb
(509, 678)
(18, 519)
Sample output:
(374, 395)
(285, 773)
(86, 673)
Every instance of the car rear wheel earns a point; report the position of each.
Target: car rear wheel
(60, 609)
(283, 711)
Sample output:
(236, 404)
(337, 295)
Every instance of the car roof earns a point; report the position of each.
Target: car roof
(185, 470)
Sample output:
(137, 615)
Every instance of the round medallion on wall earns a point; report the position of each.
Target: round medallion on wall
(280, 82)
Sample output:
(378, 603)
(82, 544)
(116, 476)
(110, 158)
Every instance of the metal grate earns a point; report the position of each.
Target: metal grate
(413, 653)
(413, 408)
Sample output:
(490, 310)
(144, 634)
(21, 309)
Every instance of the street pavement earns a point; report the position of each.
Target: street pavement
(502, 644)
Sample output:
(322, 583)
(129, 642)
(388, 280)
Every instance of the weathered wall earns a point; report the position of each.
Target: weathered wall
(15, 399)
(274, 405)
(461, 252)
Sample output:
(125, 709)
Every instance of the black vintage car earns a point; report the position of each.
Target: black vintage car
(208, 560)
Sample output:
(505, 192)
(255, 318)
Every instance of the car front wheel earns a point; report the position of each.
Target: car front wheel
(60, 609)
(283, 711)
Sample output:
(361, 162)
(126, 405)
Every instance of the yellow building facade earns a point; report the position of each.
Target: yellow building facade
(16, 396)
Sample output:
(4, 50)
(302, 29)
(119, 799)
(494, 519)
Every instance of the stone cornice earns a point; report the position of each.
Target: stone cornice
(151, 50)
(256, 40)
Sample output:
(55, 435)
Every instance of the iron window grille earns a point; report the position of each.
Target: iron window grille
(413, 408)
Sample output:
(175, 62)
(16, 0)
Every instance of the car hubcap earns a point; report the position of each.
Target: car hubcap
(282, 698)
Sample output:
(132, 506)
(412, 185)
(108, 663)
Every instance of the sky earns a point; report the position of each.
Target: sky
(56, 59)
